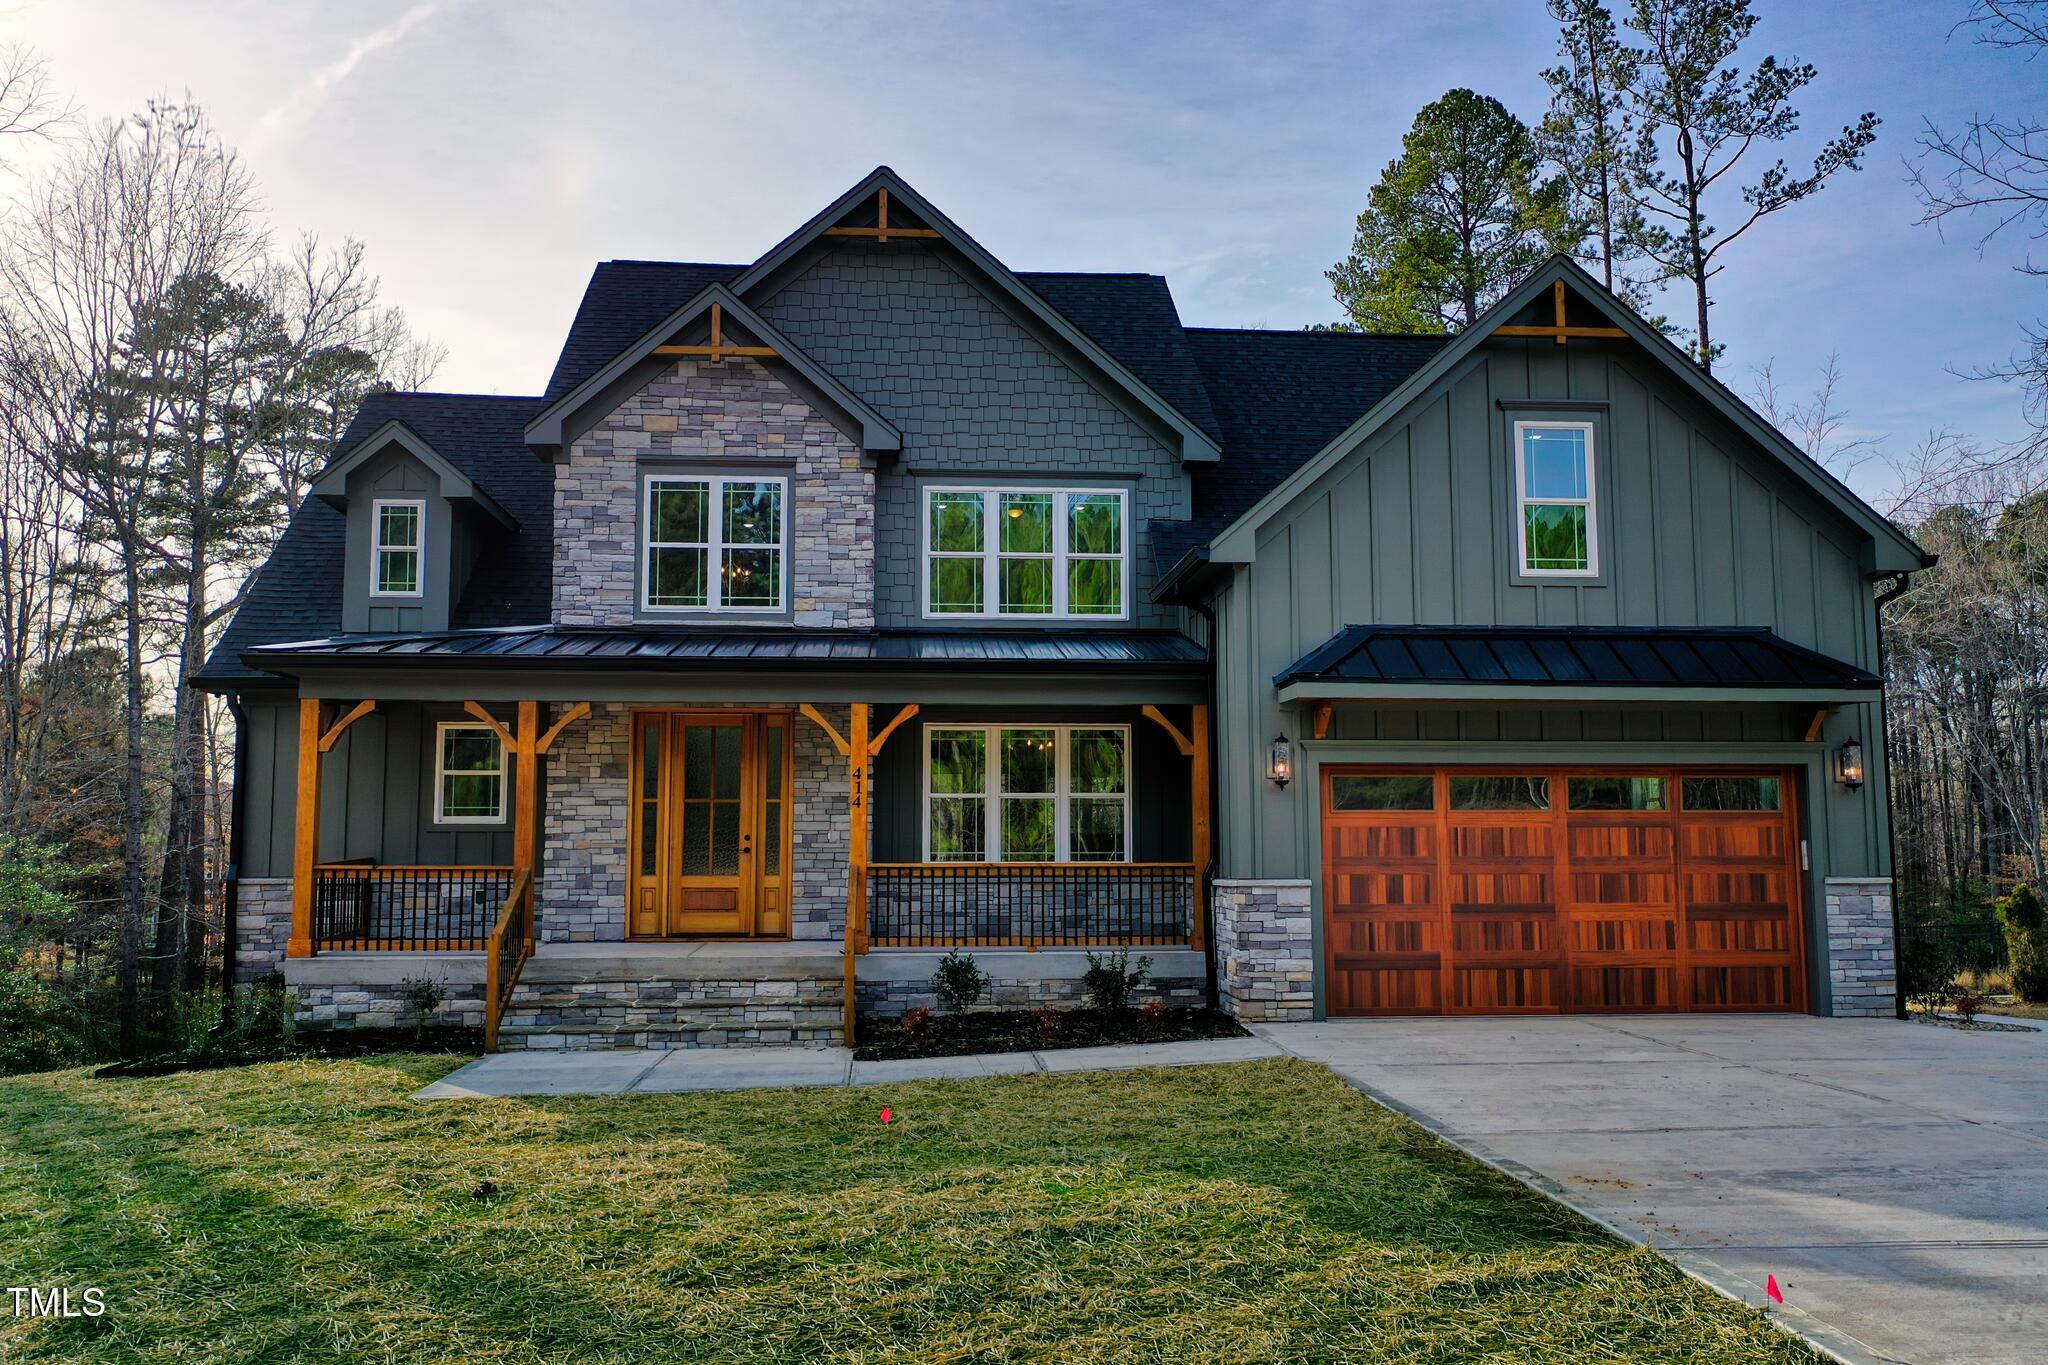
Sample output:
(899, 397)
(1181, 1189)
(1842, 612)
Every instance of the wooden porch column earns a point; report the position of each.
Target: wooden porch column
(1204, 838)
(857, 760)
(306, 831)
(525, 802)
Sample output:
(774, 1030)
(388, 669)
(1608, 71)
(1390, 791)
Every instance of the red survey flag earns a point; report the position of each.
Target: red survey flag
(1770, 1281)
(885, 1119)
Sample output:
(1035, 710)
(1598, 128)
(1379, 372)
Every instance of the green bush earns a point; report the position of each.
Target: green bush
(2026, 946)
(959, 982)
(1111, 980)
(422, 995)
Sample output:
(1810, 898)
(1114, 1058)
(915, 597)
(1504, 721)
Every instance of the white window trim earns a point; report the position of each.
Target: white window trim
(992, 794)
(378, 548)
(1591, 502)
(715, 546)
(992, 555)
(441, 774)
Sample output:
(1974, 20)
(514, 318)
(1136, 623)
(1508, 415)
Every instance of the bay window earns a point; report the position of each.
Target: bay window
(1049, 553)
(1027, 793)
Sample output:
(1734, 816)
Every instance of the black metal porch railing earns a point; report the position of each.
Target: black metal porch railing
(359, 907)
(1029, 905)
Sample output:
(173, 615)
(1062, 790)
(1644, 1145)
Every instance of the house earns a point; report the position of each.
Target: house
(873, 598)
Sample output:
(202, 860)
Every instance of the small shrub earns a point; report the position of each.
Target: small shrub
(1111, 980)
(1152, 1016)
(1967, 1004)
(268, 1010)
(1046, 1022)
(959, 982)
(2026, 944)
(1927, 968)
(422, 995)
(917, 1022)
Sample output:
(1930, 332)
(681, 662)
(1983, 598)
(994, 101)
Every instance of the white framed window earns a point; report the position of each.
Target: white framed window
(713, 543)
(398, 542)
(1027, 793)
(469, 774)
(1557, 532)
(1024, 553)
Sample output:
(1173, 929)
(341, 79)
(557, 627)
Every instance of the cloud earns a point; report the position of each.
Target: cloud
(280, 118)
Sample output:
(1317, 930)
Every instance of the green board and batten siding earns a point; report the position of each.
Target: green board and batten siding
(376, 792)
(1698, 526)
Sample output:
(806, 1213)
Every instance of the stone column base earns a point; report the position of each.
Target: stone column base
(1862, 959)
(263, 921)
(1265, 949)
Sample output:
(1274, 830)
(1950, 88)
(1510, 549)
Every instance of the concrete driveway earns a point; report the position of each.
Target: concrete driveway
(1893, 1176)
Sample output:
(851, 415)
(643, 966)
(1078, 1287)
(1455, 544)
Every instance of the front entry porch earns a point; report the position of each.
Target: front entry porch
(721, 874)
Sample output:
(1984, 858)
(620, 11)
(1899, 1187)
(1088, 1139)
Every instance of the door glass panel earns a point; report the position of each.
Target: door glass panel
(650, 761)
(696, 838)
(1616, 793)
(1500, 793)
(650, 838)
(725, 838)
(697, 741)
(771, 810)
(771, 755)
(1731, 793)
(727, 784)
(1383, 793)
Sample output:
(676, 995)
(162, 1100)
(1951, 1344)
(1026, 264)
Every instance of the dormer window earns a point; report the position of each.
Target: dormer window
(1556, 524)
(1048, 553)
(399, 534)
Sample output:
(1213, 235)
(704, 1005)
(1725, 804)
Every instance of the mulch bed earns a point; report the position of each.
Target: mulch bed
(311, 1043)
(1978, 1025)
(882, 1038)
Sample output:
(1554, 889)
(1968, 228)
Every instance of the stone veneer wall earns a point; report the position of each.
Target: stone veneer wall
(1862, 962)
(732, 412)
(383, 1006)
(263, 922)
(584, 871)
(1265, 949)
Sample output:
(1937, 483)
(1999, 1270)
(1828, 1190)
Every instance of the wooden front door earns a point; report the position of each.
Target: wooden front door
(1507, 891)
(709, 834)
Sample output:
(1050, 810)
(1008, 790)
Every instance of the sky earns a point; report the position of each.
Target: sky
(490, 152)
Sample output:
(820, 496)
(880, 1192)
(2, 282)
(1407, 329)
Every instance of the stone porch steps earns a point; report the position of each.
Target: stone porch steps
(589, 996)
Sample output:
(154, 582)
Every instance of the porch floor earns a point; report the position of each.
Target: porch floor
(756, 1068)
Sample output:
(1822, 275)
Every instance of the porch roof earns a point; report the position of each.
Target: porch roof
(599, 648)
(1654, 663)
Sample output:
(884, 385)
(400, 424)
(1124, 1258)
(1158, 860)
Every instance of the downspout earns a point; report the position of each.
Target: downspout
(1890, 802)
(1206, 895)
(230, 895)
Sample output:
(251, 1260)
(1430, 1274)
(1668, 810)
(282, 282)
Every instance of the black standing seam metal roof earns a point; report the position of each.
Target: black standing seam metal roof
(1597, 656)
(609, 648)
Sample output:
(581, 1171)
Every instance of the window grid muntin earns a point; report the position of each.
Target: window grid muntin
(992, 556)
(1524, 501)
(380, 547)
(443, 733)
(993, 794)
(716, 545)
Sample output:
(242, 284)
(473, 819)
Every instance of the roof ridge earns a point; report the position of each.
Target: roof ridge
(453, 393)
(648, 260)
(1314, 332)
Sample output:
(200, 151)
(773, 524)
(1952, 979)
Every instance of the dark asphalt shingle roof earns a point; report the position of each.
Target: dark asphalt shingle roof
(664, 648)
(298, 592)
(1281, 397)
(1602, 656)
(1271, 399)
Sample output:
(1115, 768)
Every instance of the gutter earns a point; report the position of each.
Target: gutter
(231, 896)
(1891, 813)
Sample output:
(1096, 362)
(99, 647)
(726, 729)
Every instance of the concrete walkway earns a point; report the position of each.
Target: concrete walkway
(754, 1068)
(1893, 1176)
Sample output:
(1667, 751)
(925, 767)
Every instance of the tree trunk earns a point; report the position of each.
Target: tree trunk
(134, 818)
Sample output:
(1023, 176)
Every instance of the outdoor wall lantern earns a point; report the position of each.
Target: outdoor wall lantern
(1280, 761)
(1849, 764)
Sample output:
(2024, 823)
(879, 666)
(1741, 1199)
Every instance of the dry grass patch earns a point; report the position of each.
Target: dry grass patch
(1257, 1211)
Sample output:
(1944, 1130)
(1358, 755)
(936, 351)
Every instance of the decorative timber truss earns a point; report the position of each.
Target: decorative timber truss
(1558, 331)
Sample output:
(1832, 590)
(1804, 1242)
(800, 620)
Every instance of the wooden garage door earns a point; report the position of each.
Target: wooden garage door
(1548, 890)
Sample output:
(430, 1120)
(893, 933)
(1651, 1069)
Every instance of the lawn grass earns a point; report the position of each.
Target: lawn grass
(1261, 1211)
